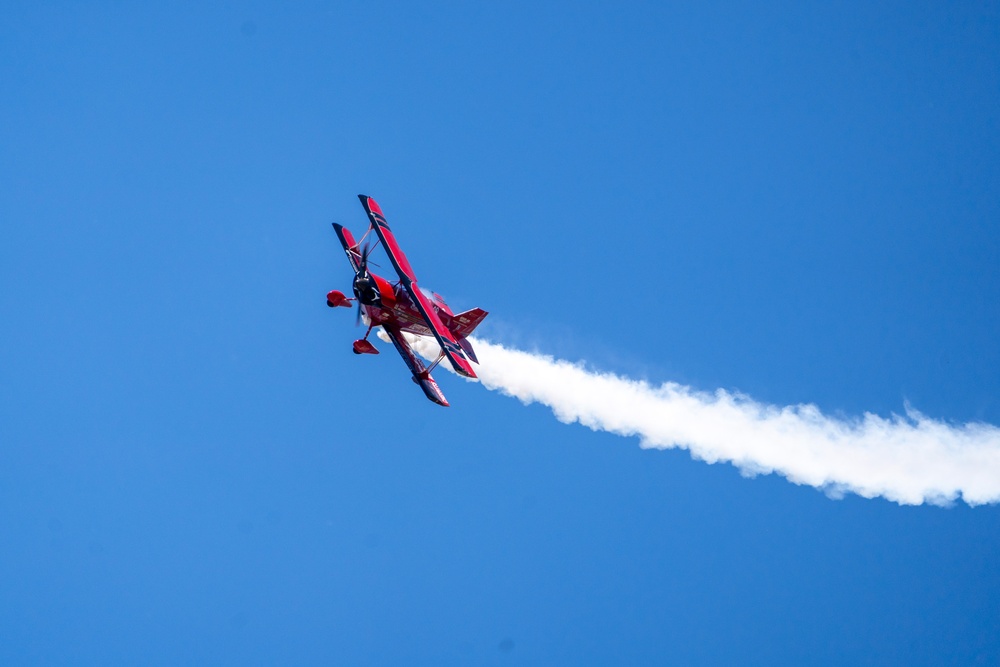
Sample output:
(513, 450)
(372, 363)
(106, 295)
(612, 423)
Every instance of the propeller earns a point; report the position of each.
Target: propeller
(361, 277)
(363, 264)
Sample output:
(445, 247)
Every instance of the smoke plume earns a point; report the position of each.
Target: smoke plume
(909, 459)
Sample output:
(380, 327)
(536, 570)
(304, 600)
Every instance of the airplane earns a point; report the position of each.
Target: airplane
(403, 306)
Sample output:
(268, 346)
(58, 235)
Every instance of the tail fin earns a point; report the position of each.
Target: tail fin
(465, 323)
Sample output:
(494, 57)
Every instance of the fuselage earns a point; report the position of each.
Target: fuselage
(388, 303)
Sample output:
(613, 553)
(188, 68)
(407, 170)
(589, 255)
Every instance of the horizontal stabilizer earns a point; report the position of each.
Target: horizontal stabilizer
(467, 346)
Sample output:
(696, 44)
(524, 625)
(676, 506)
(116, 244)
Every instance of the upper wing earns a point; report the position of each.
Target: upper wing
(396, 256)
(350, 245)
(420, 374)
(450, 347)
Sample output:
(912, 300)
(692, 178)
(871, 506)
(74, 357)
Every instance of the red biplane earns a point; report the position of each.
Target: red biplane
(403, 306)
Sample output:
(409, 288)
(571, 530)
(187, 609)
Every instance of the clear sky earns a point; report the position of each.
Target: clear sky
(794, 202)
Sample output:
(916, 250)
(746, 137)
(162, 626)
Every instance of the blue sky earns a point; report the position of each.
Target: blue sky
(798, 203)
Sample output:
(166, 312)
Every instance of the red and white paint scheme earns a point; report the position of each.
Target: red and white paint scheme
(402, 306)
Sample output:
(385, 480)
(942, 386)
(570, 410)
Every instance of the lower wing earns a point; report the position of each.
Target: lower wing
(416, 366)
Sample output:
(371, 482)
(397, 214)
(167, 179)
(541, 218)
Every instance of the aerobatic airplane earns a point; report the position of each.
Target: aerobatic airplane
(403, 306)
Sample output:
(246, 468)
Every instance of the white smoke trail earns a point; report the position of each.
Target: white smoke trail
(909, 460)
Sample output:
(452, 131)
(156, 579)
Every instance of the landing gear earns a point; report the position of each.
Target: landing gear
(336, 298)
(362, 346)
